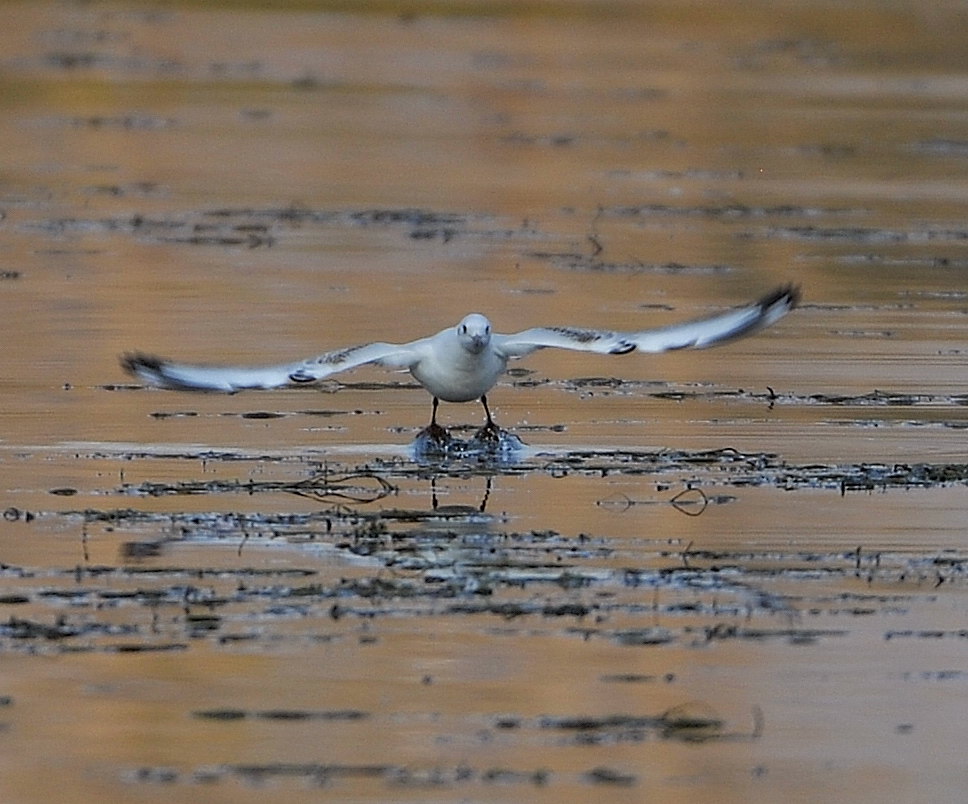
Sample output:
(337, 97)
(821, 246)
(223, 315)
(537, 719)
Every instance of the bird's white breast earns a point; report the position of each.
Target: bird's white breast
(453, 374)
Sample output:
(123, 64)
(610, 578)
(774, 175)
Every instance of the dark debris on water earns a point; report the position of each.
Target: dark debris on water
(447, 561)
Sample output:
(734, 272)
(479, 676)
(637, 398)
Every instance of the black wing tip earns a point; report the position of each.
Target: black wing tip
(135, 362)
(787, 296)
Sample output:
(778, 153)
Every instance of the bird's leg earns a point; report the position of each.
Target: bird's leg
(490, 431)
(433, 430)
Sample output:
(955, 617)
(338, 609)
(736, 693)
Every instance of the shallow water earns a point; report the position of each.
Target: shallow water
(723, 575)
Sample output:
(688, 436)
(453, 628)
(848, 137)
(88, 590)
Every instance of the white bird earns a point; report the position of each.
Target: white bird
(463, 363)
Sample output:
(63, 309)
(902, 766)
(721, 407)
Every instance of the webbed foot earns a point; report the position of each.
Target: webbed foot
(435, 434)
(489, 434)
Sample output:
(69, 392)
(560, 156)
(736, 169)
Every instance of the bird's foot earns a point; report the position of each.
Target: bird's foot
(490, 442)
(490, 434)
(435, 434)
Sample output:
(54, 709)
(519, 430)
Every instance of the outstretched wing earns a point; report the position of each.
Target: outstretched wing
(697, 334)
(185, 376)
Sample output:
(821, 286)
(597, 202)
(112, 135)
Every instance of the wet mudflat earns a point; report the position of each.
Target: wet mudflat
(726, 575)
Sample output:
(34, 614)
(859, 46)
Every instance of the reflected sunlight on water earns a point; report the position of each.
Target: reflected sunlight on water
(194, 602)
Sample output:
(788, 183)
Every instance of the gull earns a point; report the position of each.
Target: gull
(462, 363)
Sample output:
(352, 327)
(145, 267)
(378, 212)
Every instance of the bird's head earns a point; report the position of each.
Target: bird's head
(474, 333)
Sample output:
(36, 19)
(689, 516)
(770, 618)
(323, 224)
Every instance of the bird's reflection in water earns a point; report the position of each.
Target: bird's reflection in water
(458, 510)
(349, 491)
